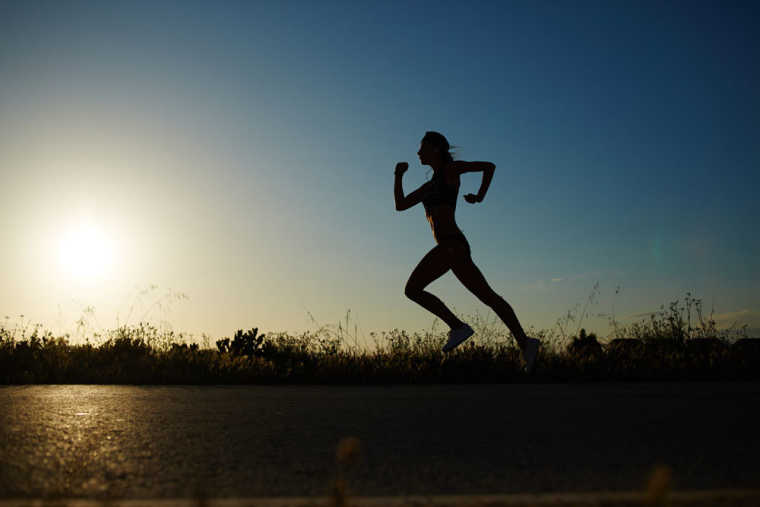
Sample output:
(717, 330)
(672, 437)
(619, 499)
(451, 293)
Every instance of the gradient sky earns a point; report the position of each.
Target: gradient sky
(242, 154)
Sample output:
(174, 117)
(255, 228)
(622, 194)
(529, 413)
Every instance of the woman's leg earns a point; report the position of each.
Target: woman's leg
(468, 273)
(434, 265)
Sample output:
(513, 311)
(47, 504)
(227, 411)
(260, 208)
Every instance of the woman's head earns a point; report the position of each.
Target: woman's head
(434, 150)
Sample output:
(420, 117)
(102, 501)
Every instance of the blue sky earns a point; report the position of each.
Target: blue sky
(242, 153)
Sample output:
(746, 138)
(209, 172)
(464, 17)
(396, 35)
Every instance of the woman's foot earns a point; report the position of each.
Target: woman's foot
(457, 336)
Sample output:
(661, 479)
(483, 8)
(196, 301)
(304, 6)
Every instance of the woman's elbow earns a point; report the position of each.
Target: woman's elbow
(403, 205)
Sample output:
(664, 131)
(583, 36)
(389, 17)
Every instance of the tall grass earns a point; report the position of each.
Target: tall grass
(676, 342)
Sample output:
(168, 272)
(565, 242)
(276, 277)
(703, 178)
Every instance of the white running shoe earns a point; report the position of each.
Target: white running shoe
(457, 336)
(530, 353)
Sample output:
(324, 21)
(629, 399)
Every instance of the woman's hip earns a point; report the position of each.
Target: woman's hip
(454, 241)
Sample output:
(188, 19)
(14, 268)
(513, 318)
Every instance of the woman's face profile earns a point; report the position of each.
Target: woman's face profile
(426, 153)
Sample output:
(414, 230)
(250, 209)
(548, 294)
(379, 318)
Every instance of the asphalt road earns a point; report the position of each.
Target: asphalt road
(144, 442)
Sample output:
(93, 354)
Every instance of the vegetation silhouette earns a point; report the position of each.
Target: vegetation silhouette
(664, 347)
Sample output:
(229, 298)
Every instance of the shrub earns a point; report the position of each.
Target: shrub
(677, 343)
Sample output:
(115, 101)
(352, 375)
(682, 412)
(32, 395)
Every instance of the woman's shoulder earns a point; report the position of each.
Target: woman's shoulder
(456, 166)
(451, 172)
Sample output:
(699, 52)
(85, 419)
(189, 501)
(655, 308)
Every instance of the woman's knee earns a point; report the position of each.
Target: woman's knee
(412, 291)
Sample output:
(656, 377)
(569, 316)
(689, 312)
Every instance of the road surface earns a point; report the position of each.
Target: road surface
(257, 441)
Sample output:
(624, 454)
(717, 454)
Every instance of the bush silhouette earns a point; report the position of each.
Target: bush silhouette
(664, 347)
(245, 343)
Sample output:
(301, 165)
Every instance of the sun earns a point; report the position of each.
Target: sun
(85, 252)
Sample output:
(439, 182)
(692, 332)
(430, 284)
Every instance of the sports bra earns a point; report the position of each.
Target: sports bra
(440, 192)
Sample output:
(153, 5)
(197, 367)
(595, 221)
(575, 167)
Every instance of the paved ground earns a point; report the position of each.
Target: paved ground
(701, 498)
(169, 442)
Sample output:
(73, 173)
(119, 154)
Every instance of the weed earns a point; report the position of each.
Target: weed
(677, 342)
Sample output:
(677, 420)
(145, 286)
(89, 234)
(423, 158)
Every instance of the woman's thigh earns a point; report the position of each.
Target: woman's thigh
(432, 266)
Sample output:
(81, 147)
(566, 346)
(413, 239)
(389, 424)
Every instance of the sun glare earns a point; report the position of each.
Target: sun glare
(85, 253)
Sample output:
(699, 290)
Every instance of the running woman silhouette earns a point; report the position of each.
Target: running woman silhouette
(439, 197)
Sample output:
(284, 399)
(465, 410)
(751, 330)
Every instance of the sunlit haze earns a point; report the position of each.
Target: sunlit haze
(238, 158)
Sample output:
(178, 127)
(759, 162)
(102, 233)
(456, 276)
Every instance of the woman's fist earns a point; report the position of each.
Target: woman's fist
(401, 168)
(472, 198)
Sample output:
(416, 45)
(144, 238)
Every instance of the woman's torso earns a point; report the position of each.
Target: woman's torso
(440, 205)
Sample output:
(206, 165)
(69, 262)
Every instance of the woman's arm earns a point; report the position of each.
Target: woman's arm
(488, 169)
(403, 203)
(473, 167)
